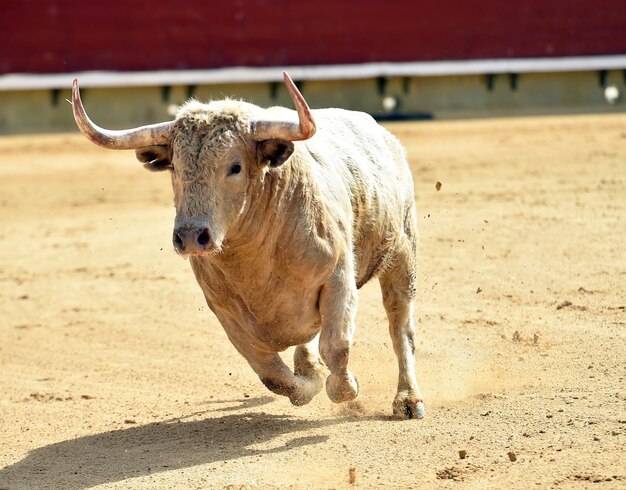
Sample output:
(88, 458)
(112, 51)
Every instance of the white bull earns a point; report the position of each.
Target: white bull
(280, 235)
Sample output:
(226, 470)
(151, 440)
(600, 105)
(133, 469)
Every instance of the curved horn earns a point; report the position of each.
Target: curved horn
(154, 134)
(284, 129)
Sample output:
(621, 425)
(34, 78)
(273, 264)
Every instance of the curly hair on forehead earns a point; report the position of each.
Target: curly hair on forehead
(228, 112)
(205, 133)
(209, 129)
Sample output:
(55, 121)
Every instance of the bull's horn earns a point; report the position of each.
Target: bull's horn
(302, 129)
(154, 134)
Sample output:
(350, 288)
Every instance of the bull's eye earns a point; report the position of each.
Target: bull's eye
(235, 169)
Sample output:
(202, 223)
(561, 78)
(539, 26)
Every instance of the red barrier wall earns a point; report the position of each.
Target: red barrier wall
(51, 36)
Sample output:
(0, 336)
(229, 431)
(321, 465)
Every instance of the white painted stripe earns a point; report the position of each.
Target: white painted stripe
(314, 72)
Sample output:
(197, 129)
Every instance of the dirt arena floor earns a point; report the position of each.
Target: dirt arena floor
(115, 374)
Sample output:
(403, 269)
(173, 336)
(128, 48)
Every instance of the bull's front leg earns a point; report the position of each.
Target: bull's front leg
(278, 378)
(337, 303)
(300, 387)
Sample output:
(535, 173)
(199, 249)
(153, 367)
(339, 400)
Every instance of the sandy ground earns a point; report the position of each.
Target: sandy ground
(114, 373)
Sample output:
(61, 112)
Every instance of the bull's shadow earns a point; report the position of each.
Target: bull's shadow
(153, 448)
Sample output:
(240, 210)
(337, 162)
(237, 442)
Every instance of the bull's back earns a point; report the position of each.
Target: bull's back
(365, 173)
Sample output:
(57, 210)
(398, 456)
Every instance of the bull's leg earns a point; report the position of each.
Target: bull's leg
(300, 388)
(398, 287)
(337, 302)
(306, 362)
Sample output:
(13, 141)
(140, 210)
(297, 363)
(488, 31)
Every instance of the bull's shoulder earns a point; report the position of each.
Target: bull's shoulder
(353, 133)
(353, 147)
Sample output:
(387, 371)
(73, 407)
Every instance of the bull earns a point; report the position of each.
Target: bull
(284, 215)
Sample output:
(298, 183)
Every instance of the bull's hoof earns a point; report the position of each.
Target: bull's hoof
(311, 372)
(407, 405)
(309, 385)
(342, 388)
(301, 399)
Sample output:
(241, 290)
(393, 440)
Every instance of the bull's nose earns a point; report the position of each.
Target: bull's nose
(190, 240)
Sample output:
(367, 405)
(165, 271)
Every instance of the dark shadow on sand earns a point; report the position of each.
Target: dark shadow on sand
(162, 446)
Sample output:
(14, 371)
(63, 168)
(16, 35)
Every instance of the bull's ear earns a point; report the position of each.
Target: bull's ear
(155, 158)
(274, 152)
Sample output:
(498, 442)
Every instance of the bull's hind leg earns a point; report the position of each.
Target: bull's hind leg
(306, 363)
(398, 289)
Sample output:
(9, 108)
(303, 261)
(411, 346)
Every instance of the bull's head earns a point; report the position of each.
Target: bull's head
(217, 153)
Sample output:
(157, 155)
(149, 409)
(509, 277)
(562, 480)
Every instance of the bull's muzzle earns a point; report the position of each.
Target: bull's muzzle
(192, 241)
